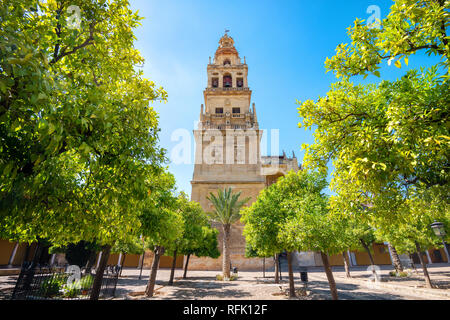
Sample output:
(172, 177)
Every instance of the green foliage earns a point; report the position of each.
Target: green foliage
(132, 245)
(51, 286)
(78, 254)
(220, 277)
(208, 244)
(402, 274)
(72, 290)
(291, 215)
(79, 137)
(198, 237)
(411, 26)
(389, 142)
(226, 206)
(86, 282)
(161, 224)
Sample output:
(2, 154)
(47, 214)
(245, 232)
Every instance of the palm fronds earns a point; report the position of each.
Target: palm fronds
(227, 206)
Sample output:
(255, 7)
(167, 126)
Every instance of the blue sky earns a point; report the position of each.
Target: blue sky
(285, 44)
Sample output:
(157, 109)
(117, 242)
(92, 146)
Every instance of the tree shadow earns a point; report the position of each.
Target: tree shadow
(190, 289)
(347, 291)
(9, 281)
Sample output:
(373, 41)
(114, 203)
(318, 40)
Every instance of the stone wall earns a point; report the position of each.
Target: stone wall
(200, 191)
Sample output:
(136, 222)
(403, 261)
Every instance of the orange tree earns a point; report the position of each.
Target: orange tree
(78, 135)
(292, 215)
(389, 141)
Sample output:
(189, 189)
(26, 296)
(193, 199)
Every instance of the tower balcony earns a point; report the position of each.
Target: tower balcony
(230, 126)
(227, 89)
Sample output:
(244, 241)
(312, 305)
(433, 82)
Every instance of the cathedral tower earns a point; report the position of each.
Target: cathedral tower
(227, 144)
(228, 148)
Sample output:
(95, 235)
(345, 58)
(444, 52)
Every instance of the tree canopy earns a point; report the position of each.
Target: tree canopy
(389, 141)
(79, 138)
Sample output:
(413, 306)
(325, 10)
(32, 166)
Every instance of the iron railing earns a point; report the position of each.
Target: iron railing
(38, 282)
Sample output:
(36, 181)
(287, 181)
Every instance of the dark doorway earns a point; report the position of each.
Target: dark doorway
(437, 256)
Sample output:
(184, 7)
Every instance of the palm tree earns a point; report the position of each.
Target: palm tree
(227, 208)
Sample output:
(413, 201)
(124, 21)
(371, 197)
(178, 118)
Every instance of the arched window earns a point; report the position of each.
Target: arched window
(227, 81)
(227, 62)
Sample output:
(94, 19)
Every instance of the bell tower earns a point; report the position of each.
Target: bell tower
(228, 137)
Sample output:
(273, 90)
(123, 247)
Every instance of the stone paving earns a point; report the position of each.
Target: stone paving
(251, 286)
(439, 274)
(202, 285)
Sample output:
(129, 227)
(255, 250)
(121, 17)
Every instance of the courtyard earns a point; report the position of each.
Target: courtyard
(251, 285)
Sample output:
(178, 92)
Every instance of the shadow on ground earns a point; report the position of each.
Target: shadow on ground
(350, 292)
(194, 289)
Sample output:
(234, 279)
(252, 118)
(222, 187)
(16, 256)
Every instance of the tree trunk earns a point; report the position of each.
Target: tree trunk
(424, 267)
(395, 258)
(27, 253)
(95, 293)
(226, 252)
(329, 273)
(186, 266)
(264, 268)
(142, 265)
(158, 252)
(122, 264)
(368, 251)
(36, 257)
(277, 275)
(291, 276)
(413, 266)
(174, 264)
(38, 253)
(346, 265)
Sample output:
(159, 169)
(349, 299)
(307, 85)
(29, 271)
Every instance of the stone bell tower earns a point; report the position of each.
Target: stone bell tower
(227, 146)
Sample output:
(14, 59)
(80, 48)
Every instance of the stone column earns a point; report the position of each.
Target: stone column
(428, 257)
(352, 259)
(99, 258)
(13, 254)
(52, 260)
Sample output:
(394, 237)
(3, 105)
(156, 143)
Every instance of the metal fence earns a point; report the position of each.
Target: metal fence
(38, 282)
(109, 281)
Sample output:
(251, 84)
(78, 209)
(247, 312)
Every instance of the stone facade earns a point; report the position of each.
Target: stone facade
(228, 152)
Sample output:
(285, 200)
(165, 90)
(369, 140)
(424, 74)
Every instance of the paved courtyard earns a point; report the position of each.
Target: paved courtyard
(252, 286)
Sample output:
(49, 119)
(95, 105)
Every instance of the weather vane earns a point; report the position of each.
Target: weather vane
(226, 31)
